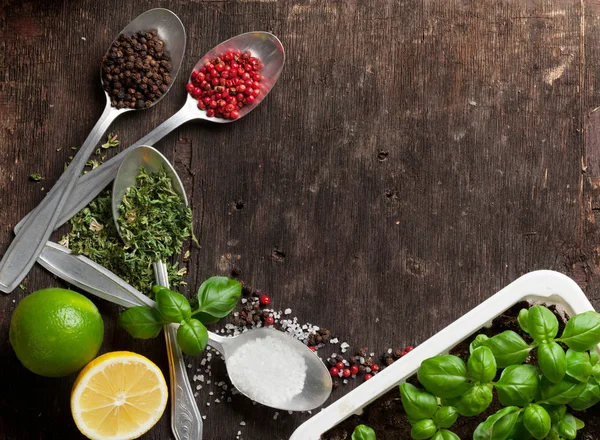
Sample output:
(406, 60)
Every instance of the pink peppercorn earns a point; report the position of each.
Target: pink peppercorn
(334, 371)
(265, 300)
(368, 376)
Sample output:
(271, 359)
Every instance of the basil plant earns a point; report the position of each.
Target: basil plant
(536, 398)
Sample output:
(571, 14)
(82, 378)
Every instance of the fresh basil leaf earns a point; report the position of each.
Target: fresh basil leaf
(552, 361)
(589, 397)
(509, 348)
(477, 342)
(537, 421)
(498, 426)
(556, 412)
(217, 297)
(473, 402)
(444, 434)
(578, 423)
(518, 385)
(423, 429)
(192, 337)
(567, 427)
(363, 432)
(542, 324)
(445, 416)
(482, 365)
(596, 372)
(142, 322)
(582, 331)
(560, 393)
(594, 358)
(173, 306)
(579, 365)
(522, 319)
(553, 434)
(444, 376)
(519, 432)
(418, 404)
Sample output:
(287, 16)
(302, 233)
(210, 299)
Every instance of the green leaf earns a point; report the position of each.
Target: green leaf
(509, 348)
(173, 306)
(518, 385)
(522, 319)
(519, 432)
(596, 372)
(542, 324)
(363, 432)
(552, 361)
(482, 365)
(142, 322)
(579, 365)
(217, 297)
(556, 412)
(418, 404)
(444, 434)
(537, 421)
(444, 376)
(498, 426)
(562, 392)
(473, 402)
(192, 337)
(445, 416)
(582, 332)
(578, 423)
(594, 357)
(477, 342)
(589, 397)
(567, 427)
(423, 429)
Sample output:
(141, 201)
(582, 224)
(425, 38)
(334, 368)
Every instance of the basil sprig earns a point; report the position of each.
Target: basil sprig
(363, 432)
(217, 298)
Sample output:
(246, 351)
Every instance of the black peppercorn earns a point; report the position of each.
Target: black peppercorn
(136, 70)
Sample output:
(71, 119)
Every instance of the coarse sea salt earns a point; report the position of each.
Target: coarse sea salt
(255, 368)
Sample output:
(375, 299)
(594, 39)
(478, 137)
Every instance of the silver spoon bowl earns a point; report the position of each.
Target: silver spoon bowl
(317, 383)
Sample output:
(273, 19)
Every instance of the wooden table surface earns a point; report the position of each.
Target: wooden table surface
(414, 158)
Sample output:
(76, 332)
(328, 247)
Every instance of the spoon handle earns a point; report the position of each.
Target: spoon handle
(186, 421)
(29, 242)
(93, 182)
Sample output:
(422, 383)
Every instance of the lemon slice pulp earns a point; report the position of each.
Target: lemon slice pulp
(118, 396)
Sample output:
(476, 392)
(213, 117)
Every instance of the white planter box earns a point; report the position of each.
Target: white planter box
(542, 286)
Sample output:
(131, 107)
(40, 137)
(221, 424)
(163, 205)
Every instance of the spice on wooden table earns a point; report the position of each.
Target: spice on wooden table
(136, 70)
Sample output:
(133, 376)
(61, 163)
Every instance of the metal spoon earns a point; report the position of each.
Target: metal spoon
(317, 385)
(186, 421)
(33, 234)
(95, 279)
(262, 45)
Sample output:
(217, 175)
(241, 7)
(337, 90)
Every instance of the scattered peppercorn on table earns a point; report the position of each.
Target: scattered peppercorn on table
(413, 158)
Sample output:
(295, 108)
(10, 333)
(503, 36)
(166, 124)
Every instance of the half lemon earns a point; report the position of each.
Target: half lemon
(118, 396)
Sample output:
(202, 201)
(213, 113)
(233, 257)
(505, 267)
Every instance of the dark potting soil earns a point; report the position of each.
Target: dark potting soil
(387, 417)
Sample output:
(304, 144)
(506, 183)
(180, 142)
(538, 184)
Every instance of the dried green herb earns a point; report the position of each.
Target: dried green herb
(36, 177)
(153, 217)
(94, 235)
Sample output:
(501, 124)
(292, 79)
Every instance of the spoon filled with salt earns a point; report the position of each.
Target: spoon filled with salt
(253, 358)
(144, 60)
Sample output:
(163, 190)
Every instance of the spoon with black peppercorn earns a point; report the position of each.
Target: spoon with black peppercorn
(263, 46)
(145, 63)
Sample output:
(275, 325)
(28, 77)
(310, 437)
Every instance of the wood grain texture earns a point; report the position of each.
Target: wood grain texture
(414, 158)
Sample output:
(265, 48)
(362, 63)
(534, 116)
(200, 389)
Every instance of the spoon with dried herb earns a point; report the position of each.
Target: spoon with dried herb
(152, 216)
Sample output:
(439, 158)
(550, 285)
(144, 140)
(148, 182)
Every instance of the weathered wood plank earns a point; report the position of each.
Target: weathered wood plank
(414, 158)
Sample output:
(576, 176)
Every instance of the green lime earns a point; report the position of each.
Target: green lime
(56, 332)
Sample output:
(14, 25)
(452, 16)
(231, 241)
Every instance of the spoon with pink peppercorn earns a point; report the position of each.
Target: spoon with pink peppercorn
(261, 57)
